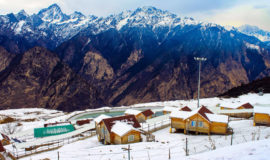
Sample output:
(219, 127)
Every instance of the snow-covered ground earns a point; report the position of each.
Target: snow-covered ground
(250, 146)
(249, 142)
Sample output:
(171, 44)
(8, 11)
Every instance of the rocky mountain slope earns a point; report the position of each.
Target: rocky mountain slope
(254, 87)
(132, 57)
(38, 78)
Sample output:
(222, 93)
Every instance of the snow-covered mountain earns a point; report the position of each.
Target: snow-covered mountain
(51, 24)
(255, 31)
(136, 56)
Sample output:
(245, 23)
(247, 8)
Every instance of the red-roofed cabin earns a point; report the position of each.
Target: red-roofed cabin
(116, 136)
(186, 108)
(243, 106)
(148, 114)
(201, 120)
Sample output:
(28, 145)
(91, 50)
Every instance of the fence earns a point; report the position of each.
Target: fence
(155, 126)
(51, 145)
(181, 147)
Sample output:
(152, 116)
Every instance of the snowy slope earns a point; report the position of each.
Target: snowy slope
(249, 142)
(255, 31)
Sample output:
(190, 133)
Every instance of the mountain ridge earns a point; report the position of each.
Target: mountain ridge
(143, 55)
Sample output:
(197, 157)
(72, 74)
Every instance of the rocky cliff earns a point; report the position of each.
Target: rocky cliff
(38, 78)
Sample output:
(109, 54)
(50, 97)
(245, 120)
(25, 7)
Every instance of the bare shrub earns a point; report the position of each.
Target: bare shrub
(11, 128)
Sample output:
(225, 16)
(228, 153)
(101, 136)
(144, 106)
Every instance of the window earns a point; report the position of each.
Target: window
(130, 138)
(102, 130)
(200, 124)
(193, 123)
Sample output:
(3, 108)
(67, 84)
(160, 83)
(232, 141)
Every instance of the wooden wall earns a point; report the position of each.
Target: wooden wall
(178, 123)
(213, 127)
(124, 140)
(218, 128)
(260, 118)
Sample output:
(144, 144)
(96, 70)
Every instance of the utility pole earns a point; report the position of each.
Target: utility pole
(232, 139)
(186, 147)
(127, 149)
(200, 59)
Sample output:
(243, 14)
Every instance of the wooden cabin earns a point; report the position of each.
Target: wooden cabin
(148, 114)
(201, 120)
(261, 116)
(119, 130)
(168, 110)
(5, 140)
(243, 106)
(186, 108)
(141, 116)
(98, 121)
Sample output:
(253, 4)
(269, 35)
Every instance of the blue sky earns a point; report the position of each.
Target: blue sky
(224, 12)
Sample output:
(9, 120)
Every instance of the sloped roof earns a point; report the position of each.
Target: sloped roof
(132, 111)
(204, 112)
(186, 108)
(129, 119)
(263, 110)
(180, 114)
(101, 117)
(217, 118)
(170, 109)
(147, 112)
(121, 128)
(247, 106)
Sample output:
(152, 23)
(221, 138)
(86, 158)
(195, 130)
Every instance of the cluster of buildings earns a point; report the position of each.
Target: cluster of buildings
(127, 128)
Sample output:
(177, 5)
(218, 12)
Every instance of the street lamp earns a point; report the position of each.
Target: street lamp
(200, 59)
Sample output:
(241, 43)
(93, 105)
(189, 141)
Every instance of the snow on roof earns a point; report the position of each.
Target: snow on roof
(231, 107)
(170, 109)
(121, 128)
(132, 111)
(217, 118)
(246, 106)
(204, 112)
(264, 110)
(180, 114)
(101, 117)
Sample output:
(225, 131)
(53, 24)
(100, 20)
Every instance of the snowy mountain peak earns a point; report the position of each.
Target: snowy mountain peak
(22, 15)
(52, 13)
(146, 16)
(255, 31)
(78, 15)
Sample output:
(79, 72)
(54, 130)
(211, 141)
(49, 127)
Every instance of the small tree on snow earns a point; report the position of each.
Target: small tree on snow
(11, 128)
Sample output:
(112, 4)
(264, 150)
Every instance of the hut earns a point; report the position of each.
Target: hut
(168, 110)
(261, 116)
(98, 120)
(201, 120)
(138, 114)
(242, 111)
(243, 106)
(148, 114)
(119, 130)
